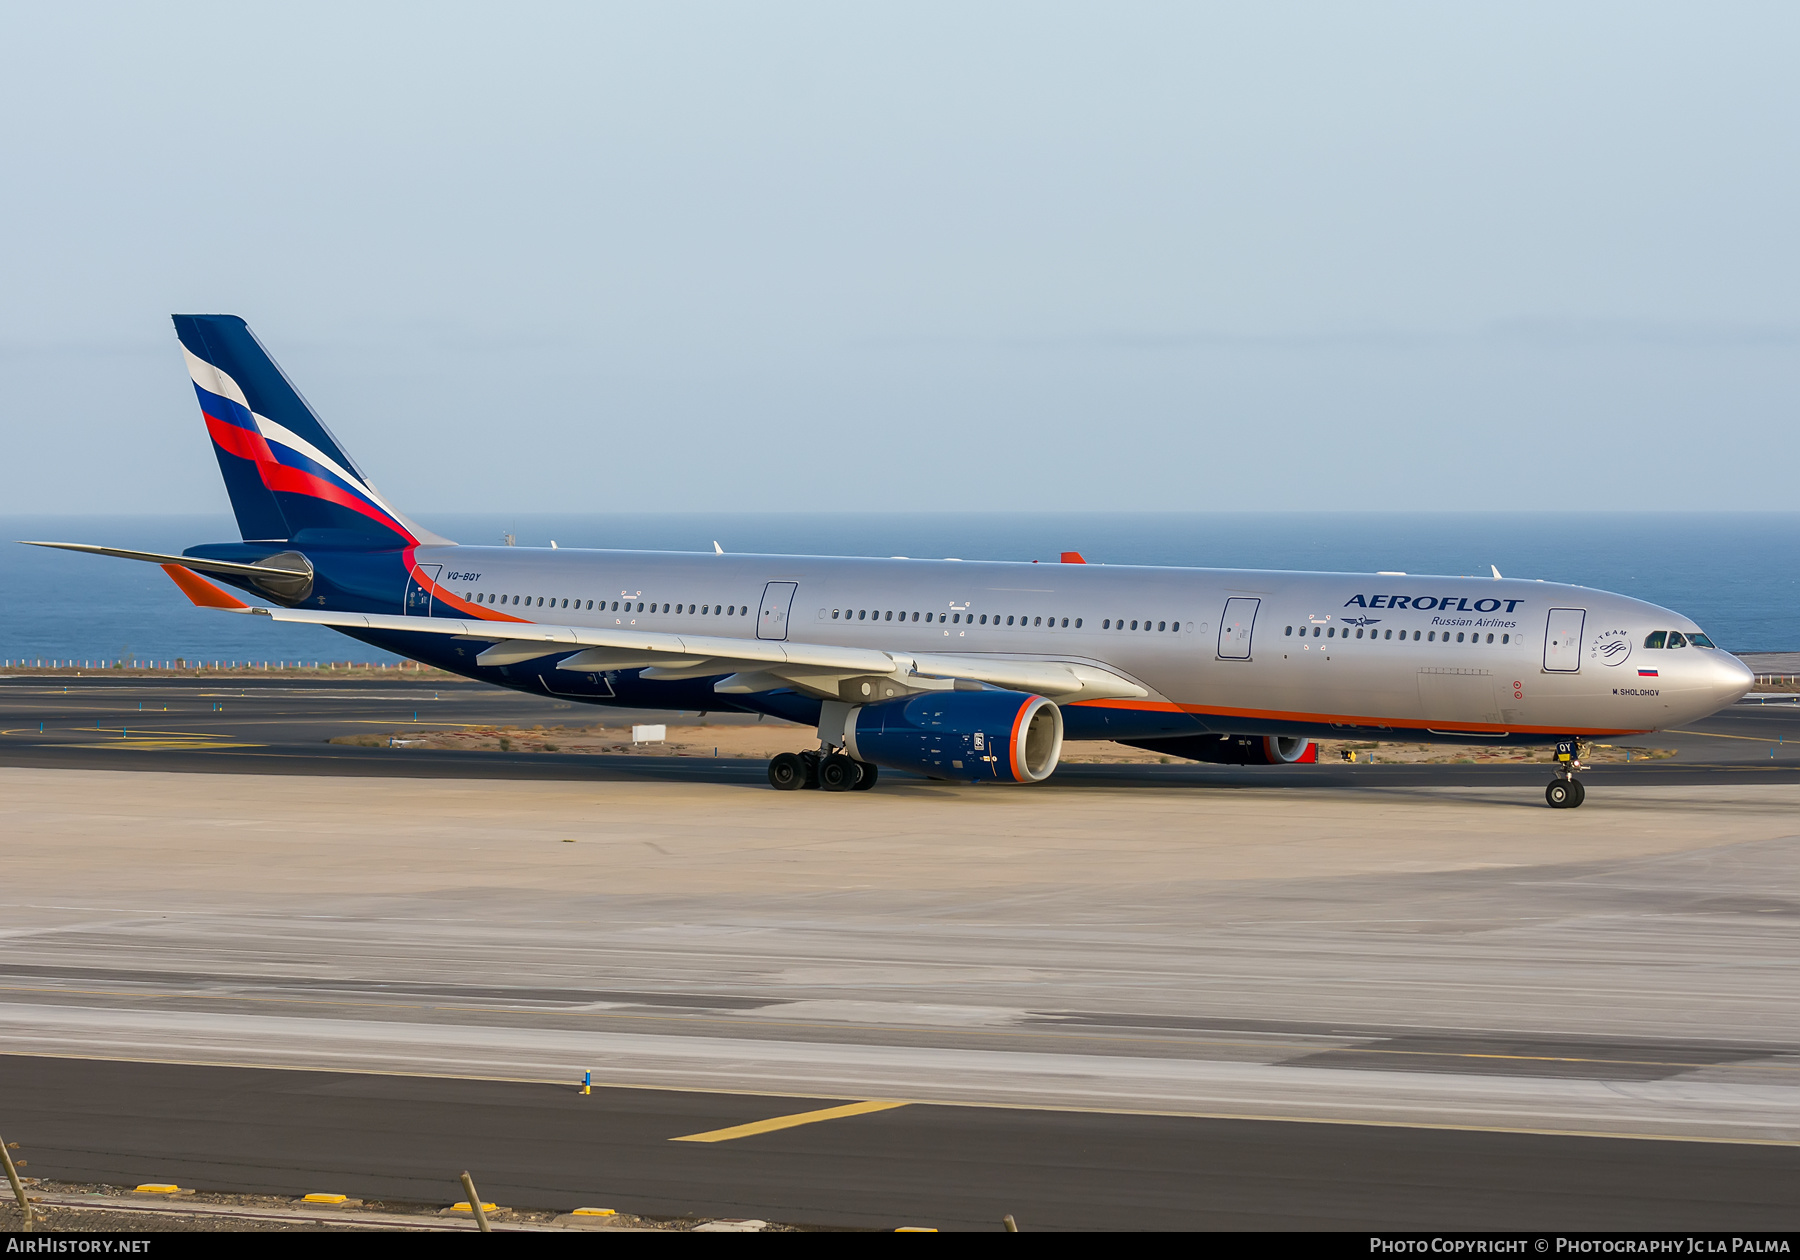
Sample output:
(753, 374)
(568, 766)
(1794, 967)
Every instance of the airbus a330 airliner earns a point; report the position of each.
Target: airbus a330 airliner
(971, 671)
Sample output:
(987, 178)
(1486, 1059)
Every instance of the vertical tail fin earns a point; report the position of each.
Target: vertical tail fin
(285, 472)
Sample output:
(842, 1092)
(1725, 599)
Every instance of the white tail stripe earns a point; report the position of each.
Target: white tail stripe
(283, 436)
(212, 380)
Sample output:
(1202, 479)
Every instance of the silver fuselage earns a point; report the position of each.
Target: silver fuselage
(1246, 651)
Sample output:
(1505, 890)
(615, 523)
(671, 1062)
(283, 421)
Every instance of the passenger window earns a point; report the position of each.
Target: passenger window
(915, 616)
(1432, 637)
(1505, 638)
(1078, 623)
(1656, 640)
(1490, 638)
(1290, 632)
(1359, 632)
(1676, 639)
(1389, 634)
(1331, 632)
(1065, 621)
(1459, 636)
(861, 614)
(1162, 626)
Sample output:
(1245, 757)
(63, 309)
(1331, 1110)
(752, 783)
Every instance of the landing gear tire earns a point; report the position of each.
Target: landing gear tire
(869, 775)
(1565, 794)
(787, 773)
(837, 773)
(809, 761)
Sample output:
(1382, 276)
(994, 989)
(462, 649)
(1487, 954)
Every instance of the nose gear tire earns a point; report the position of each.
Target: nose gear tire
(1565, 794)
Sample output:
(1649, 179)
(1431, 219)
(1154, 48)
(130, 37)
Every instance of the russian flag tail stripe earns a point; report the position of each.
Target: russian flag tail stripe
(284, 470)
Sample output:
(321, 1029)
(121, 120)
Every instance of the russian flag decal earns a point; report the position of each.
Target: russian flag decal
(1646, 673)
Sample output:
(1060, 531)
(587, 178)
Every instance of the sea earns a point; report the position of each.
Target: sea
(1736, 573)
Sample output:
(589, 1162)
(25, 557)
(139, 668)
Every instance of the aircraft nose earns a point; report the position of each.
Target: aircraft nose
(1728, 678)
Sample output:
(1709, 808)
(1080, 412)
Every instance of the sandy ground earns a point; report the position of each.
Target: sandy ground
(761, 741)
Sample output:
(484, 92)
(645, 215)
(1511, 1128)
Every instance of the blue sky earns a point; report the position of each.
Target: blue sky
(942, 257)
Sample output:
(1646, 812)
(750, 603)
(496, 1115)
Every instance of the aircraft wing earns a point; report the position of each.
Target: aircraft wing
(754, 665)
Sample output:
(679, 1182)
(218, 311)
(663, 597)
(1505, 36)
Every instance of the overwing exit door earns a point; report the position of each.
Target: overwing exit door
(1562, 640)
(1236, 627)
(772, 618)
(418, 594)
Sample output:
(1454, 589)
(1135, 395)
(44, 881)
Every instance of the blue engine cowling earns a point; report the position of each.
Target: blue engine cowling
(970, 735)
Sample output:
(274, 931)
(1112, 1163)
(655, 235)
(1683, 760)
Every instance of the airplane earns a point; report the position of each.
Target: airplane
(967, 671)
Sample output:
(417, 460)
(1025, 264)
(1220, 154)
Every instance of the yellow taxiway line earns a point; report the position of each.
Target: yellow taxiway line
(789, 1122)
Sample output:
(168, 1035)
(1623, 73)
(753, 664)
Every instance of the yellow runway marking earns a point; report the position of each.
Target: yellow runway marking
(163, 745)
(1754, 739)
(789, 1122)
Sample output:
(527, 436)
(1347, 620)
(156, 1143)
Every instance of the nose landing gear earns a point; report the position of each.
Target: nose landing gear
(828, 770)
(1565, 790)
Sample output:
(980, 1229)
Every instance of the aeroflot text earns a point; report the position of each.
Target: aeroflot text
(1424, 603)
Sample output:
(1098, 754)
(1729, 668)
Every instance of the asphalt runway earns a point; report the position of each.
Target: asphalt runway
(1403, 997)
(533, 1145)
(280, 726)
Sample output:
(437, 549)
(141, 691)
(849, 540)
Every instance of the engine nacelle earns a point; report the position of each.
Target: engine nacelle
(1235, 750)
(1006, 736)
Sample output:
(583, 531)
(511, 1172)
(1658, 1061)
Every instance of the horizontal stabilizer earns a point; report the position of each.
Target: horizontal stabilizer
(226, 568)
(202, 592)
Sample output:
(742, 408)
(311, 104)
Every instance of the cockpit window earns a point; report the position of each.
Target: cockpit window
(1700, 640)
(1656, 639)
(1677, 639)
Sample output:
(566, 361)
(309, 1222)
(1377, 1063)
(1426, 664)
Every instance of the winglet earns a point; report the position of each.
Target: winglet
(717, 550)
(1072, 557)
(1496, 569)
(203, 593)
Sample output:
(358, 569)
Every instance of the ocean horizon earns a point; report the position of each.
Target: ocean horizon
(1736, 573)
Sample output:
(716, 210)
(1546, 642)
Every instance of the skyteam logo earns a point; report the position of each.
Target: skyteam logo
(1611, 647)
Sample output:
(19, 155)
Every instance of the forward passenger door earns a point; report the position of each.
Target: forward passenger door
(1562, 640)
(1236, 627)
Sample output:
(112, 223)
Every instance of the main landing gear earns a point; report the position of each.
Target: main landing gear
(827, 770)
(1565, 790)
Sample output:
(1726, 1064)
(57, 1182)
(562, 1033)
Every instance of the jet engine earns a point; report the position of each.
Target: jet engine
(1235, 750)
(1006, 736)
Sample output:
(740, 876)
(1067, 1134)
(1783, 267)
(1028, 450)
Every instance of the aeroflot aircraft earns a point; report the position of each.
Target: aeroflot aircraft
(971, 671)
